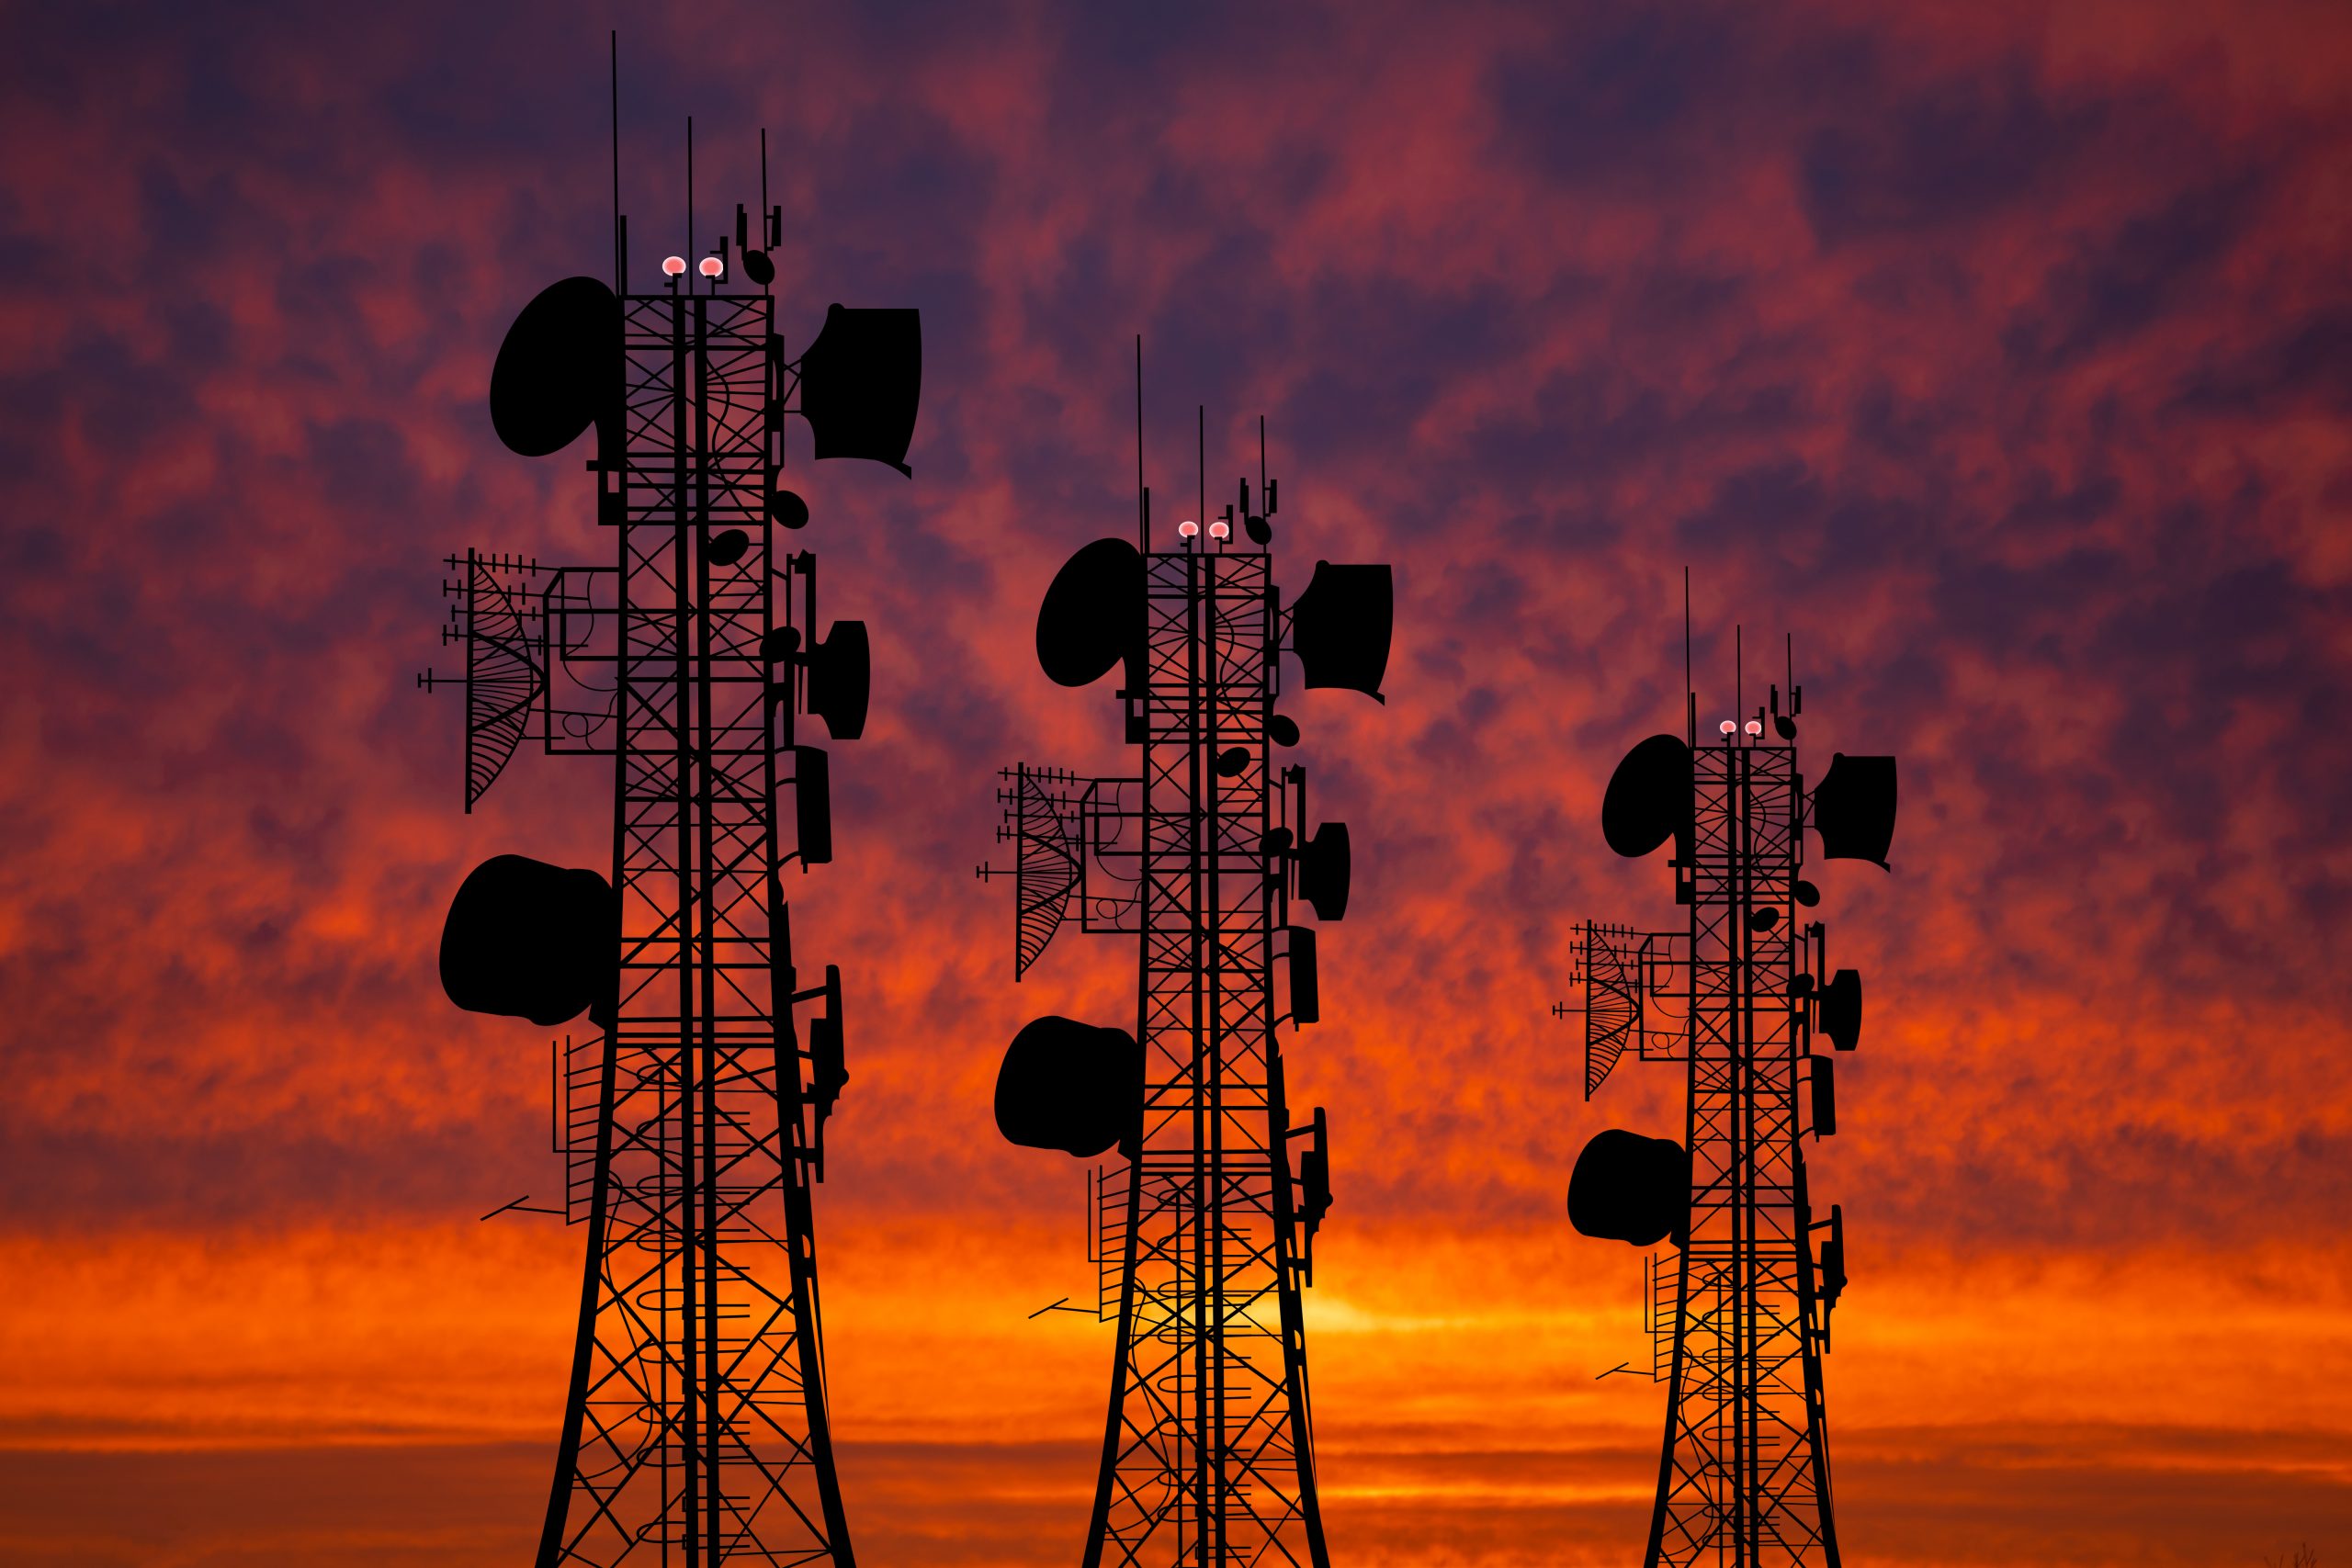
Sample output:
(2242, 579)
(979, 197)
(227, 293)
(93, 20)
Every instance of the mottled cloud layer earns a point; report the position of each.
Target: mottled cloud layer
(1999, 353)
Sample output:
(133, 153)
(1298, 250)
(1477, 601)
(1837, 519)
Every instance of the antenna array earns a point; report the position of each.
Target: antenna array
(1203, 857)
(696, 1426)
(1742, 998)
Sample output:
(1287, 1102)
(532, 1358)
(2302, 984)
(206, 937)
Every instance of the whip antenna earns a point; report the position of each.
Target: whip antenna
(1143, 493)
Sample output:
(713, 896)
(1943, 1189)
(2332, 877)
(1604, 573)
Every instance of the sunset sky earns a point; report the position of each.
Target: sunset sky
(2002, 353)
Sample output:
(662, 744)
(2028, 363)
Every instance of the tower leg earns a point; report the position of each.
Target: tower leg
(1207, 1455)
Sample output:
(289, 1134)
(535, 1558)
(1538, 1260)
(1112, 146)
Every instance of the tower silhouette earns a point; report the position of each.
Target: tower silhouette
(1205, 1236)
(1742, 998)
(692, 1120)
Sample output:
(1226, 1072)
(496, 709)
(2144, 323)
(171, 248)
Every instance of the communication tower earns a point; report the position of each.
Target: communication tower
(1743, 998)
(1206, 1233)
(693, 1118)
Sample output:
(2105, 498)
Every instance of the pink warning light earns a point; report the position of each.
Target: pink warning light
(1220, 528)
(1188, 528)
(1729, 726)
(1755, 726)
(712, 266)
(673, 266)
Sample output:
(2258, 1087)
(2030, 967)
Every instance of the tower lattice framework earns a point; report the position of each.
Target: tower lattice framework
(1741, 999)
(1207, 1458)
(1205, 1223)
(692, 1120)
(1744, 1475)
(696, 1430)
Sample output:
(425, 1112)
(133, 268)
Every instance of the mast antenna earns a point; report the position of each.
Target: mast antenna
(1143, 494)
(620, 262)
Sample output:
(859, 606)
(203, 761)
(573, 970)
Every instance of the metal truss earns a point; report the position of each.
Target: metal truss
(695, 1430)
(1205, 1458)
(1202, 1232)
(1739, 1322)
(1744, 1475)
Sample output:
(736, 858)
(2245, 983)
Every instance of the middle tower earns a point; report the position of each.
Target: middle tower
(1205, 1236)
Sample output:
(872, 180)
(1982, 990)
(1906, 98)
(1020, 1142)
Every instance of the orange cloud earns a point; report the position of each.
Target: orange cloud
(1998, 355)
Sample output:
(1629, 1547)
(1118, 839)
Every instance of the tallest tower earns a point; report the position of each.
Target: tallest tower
(697, 1431)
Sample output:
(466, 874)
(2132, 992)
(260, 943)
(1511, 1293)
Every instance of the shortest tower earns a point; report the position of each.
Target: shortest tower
(1744, 997)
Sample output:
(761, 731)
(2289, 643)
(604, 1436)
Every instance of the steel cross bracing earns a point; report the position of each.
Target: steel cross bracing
(1206, 1455)
(697, 1431)
(1744, 1475)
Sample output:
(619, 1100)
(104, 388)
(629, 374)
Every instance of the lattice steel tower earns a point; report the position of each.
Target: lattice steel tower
(1742, 998)
(1207, 1234)
(692, 1120)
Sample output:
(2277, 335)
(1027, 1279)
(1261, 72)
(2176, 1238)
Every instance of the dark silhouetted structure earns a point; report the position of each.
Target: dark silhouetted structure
(1205, 1238)
(1743, 999)
(693, 1121)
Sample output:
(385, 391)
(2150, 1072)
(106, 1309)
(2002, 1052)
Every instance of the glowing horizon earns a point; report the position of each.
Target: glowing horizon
(1998, 356)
